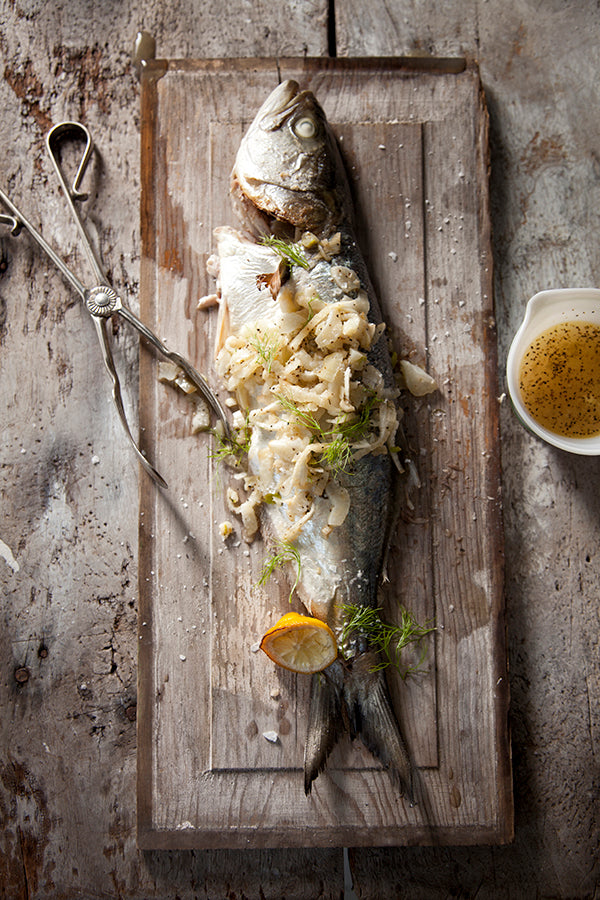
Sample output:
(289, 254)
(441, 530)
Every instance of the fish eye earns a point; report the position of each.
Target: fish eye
(304, 127)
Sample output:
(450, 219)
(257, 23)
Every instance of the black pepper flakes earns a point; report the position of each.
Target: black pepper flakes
(559, 379)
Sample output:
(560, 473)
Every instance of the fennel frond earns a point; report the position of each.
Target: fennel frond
(387, 638)
(338, 439)
(301, 415)
(265, 345)
(284, 553)
(292, 253)
(234, 449)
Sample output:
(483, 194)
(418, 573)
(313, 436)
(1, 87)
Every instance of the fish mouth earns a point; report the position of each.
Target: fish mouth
(267, 208)
(280, 103)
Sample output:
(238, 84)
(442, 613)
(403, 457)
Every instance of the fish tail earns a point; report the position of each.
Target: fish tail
(356, 699)
(373, 719)
(325, 723)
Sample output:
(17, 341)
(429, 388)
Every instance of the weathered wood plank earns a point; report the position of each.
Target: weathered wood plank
(223, 784)
(68, 485)
(407, 29)
(542, 180)
(68, 755)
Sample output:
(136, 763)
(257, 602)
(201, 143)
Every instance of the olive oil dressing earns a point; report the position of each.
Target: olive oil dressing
(559, 379)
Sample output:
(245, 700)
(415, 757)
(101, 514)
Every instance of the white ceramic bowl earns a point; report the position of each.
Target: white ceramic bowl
(544, 310)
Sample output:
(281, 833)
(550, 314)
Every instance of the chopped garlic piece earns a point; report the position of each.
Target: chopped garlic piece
(340, 504)
(201, 417)
(238, 420)
(247, 510)
(168, 372)
(309, 240)
(330, 247)
(417, 380)
(225, 529)
(345, 278)
(233, 498)
(207, 301)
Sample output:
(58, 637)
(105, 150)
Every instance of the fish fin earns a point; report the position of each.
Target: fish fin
(325, 722)
(372, 718)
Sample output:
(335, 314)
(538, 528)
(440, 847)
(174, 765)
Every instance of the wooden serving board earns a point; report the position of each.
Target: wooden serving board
(414, 139)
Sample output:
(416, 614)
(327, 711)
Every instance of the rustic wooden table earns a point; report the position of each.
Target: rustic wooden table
(69, 485)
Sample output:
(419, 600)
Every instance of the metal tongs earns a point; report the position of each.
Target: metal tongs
(101, 300)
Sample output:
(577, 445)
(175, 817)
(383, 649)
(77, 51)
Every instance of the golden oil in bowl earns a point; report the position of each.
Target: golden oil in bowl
(553, 369)
(559, 379)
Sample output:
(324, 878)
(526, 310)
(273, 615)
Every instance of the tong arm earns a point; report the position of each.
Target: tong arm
(102, 302)
(192, 374)
(17, 221)
(100, 323)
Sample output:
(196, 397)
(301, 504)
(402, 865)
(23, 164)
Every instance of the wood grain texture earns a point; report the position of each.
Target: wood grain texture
(416, 147)
(543, 178)
(68, 486)
(67, 733)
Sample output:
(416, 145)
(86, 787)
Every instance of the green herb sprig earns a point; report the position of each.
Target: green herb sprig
(266, 345)
(301, 415)
(235, 448)
(284, 552)
(287, 250)
(388, 639)
(337, 455)
(345, 432)
(338, 440)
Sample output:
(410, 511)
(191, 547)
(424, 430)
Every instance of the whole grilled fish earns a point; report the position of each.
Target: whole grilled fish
(301, 345)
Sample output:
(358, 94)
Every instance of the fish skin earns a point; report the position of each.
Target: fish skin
(284, 182)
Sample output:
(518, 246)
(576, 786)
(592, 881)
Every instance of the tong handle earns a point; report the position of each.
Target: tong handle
(53, 139)
(56, 137)
(16, 221)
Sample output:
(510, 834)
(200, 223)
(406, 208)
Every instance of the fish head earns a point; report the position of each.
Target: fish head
(289, 167)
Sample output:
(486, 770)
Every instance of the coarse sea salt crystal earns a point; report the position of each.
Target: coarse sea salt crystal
(271, 736)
